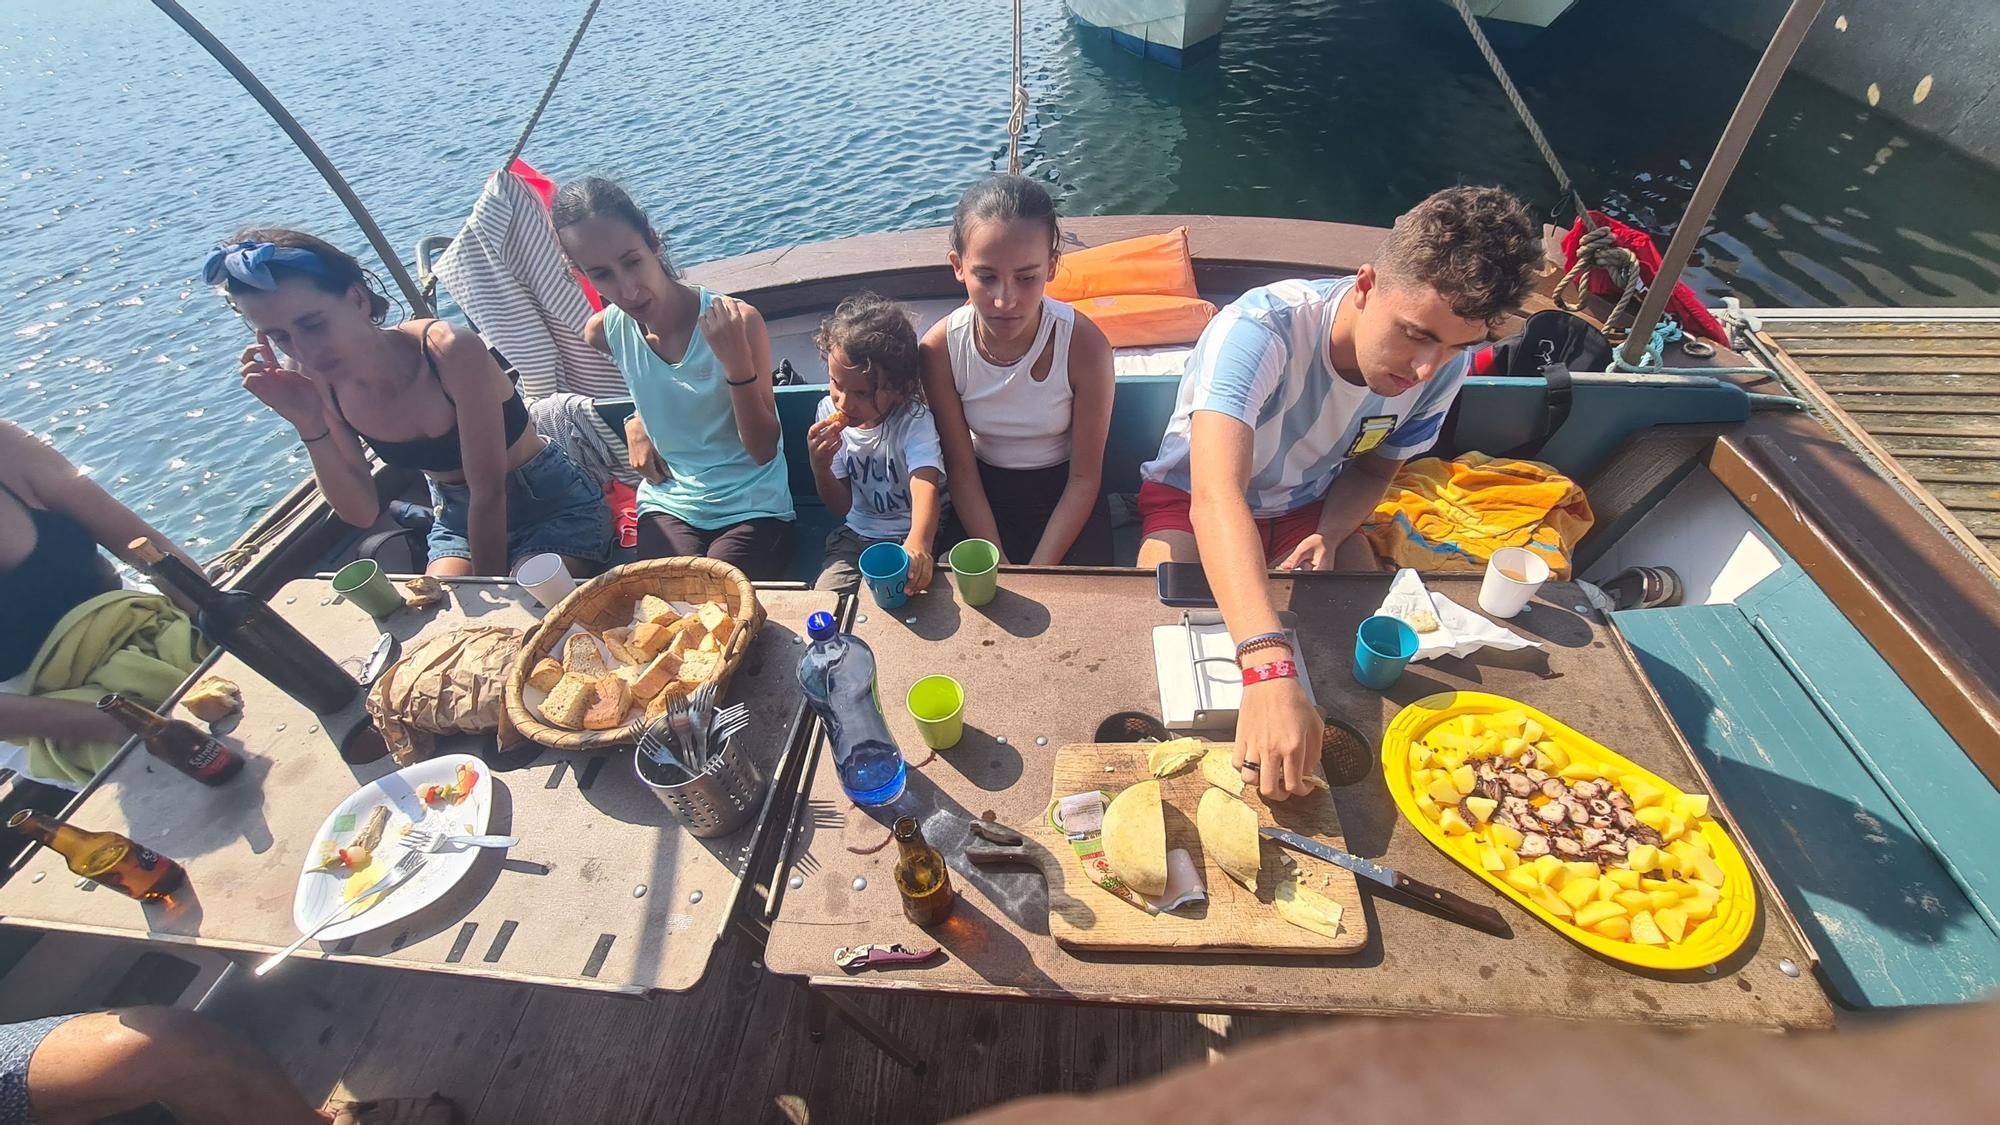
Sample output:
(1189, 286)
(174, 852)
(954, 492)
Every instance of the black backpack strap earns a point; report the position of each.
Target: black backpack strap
(1556, 400)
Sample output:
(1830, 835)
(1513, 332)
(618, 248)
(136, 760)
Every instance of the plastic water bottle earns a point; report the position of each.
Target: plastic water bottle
(837, 675)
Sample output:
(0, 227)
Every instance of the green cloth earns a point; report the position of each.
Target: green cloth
(131, 642)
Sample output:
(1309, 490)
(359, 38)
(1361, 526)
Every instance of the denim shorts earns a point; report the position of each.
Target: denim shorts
(551, 506)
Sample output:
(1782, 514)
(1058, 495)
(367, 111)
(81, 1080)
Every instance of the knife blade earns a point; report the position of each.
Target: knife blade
(1436, 900)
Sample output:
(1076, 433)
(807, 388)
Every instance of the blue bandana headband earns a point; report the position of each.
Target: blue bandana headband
(251, 262)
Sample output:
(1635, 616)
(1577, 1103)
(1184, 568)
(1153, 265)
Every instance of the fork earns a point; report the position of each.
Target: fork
(656, 743)
(428, 840)
(701, 711)
(727, 726)
(397, 876)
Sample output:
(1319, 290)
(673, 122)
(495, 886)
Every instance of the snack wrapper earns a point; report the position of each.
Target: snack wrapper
(1080, 818)
(1456, 631)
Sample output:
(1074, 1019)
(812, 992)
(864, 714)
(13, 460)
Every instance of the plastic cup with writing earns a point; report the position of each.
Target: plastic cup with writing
(886, 567)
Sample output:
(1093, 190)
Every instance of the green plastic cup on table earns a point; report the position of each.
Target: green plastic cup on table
(976, 562)
(363, 583)
(937, 703)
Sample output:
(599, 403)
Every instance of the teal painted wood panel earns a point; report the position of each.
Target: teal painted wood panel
(1892, 927)
(1945, 796)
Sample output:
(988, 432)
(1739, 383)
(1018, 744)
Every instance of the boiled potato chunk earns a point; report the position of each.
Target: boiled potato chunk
(1642, 857)
(1548, 867)
(1577, 891)
(1576, 869)
(1645, 794)
(1607, 888)
(1697, 909)
(1579, 771)
(1426, 806)
(1465, 779)
(1489, 858)
(1523, 879)
(1555, 757)
(1443, 790)
(1589, 915)
(1617, 929)
(1481, 808)
(1645, 930)
(1662, 900)
(1674, 885)
(1531, 731)
(1707, 870)
(1510, 722)
(1307, 908)
(1693, 806)
(1634, 902)
(1654, 818)
(1452, 823)
(1624, 877)
(1512, 748)
(1420, 758)
(1548, 900)
(1673, 923)
(1505, 836)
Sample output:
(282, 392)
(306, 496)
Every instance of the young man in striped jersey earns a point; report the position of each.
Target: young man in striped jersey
(1299, 404)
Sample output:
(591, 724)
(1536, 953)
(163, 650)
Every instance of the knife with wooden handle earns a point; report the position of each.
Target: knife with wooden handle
(1435, 900)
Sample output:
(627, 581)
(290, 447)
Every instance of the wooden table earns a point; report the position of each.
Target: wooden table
(604, 891)
(1054, 653)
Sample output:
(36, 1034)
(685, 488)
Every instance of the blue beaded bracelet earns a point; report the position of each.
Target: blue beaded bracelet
(1260, 639)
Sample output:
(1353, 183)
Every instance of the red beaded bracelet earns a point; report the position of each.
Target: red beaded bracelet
(1275, 670)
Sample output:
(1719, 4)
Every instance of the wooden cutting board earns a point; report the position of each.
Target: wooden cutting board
(1083, 915)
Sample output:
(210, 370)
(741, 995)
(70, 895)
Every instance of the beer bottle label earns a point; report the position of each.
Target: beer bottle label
(146, 857)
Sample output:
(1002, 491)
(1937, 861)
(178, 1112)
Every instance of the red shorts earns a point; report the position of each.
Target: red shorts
(1162, 507)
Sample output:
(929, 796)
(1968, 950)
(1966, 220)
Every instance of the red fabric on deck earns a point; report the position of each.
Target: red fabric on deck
(1684, 304)
(545, 189)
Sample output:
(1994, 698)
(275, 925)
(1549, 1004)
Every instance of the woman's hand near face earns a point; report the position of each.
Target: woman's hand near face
(287, 392)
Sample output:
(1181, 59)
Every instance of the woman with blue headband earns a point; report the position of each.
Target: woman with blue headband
(423, 394)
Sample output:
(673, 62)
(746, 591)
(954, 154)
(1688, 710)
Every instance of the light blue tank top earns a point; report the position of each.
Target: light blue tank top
(686, 410)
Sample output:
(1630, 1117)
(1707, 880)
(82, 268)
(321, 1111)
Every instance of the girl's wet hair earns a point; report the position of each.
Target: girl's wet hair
(595, 197)
(877, 334)
(1008, 199)
(342, 270)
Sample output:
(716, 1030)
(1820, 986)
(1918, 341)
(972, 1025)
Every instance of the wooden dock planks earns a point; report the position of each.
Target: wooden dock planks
(1920, 391)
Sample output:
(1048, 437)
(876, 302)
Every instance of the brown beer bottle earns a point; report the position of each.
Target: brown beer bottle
(921, 876)
(180, 744)
(105, 858)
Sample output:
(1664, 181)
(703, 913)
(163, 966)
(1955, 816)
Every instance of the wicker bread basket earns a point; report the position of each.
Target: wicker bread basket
(606, 602)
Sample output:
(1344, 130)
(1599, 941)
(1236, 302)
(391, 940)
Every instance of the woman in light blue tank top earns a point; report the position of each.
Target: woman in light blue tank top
(707, 439)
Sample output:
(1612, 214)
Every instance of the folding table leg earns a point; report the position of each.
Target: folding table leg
(870, 1028)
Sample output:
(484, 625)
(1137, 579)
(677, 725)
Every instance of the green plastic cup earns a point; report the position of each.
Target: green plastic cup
(977, 564)
(937, 703)
(363, 583)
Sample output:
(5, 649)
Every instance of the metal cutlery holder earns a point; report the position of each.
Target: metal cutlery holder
(715, 803)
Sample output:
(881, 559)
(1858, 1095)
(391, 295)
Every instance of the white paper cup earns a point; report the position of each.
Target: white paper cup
(1513, 575)
(545, 577)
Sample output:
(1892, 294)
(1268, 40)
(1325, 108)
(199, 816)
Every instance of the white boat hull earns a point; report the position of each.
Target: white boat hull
(1174, 32)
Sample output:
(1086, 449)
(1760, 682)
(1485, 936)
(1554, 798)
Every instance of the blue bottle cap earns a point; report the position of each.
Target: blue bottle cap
(820, 626)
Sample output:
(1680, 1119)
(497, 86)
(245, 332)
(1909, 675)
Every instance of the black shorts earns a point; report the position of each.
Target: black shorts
(760, 548)
(1022, 501)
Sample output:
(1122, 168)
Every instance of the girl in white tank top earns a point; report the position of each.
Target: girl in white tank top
(1021, 388)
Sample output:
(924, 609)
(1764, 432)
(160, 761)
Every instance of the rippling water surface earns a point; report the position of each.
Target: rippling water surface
(125, 152)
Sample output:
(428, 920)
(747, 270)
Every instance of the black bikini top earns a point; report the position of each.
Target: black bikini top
(442, 454)
(64, 571)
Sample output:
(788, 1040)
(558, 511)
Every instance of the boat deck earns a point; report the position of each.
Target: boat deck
(1917, 391)
(735, 1049)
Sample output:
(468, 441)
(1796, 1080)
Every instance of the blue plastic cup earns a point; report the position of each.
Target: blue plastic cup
(1383, 647)
(886, 567)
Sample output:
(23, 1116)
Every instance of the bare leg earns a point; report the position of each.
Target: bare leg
(1168, 546)
(581, 568)
(453, 567)
(112, 1062)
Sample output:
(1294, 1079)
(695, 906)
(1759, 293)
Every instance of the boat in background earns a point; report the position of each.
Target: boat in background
(1174, 32)
(1179, 32)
